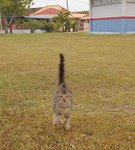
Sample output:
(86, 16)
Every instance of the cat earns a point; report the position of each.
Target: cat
(62, 99)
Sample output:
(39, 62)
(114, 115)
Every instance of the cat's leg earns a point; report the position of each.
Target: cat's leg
(66, 123)
(66, 119)
(57, 119)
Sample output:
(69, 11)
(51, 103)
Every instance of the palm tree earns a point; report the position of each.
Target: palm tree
(64, 20)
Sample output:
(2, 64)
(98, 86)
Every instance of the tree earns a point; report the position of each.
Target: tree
(48, 27)
(64, 20)
(33, 24)
(11, 8)
(74, 25)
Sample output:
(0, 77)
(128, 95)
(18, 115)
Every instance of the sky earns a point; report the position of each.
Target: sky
(73, 5)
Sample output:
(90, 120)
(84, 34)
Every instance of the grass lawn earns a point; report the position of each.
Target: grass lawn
(100, 70)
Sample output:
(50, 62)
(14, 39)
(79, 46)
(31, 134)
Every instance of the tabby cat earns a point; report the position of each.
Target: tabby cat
(62, 99)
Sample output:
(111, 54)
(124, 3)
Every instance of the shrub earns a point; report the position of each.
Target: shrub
(48, 27)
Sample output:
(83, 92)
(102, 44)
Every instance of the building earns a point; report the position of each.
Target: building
(82, 19)
(112, 16)
(47, 12)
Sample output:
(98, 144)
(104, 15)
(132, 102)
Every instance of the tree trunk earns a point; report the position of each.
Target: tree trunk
(6, 29)
(5, 20)
(31, 31)
(6, 24)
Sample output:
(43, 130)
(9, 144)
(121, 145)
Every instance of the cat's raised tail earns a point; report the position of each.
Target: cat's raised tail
(61, 69)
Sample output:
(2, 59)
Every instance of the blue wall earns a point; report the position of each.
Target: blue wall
(122, 25)
(130, 25)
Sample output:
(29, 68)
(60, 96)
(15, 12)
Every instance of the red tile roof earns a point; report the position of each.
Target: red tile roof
(49, 11)
(32, 10)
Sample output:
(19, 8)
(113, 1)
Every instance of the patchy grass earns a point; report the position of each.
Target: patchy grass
(100, 70)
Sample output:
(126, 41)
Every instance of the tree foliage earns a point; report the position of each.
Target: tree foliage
(74, 25)
(11, 8)
(64, 20)
(33, 24)
(49, 27)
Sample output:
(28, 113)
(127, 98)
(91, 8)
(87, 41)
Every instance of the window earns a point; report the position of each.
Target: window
(132, 1)
(96, 2)
(104, 2)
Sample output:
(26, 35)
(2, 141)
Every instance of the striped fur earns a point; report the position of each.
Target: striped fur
(62, 99)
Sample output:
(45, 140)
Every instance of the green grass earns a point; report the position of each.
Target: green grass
(100, 70)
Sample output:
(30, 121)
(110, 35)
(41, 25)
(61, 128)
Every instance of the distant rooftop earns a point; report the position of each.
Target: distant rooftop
(47, 10)
(51, 11)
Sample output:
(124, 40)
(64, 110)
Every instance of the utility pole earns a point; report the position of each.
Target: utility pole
(90, 17)
(67, 4)
(1, 23)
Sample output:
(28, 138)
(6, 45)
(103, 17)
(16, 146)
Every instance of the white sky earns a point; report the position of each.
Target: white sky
(73, 5)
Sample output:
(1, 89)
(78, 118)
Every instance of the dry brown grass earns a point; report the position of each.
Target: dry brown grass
(100, 70)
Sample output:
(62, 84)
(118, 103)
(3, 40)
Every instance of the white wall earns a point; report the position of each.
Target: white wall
(103, 11)
(21, 31)
(27, 31)
(130, 10)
